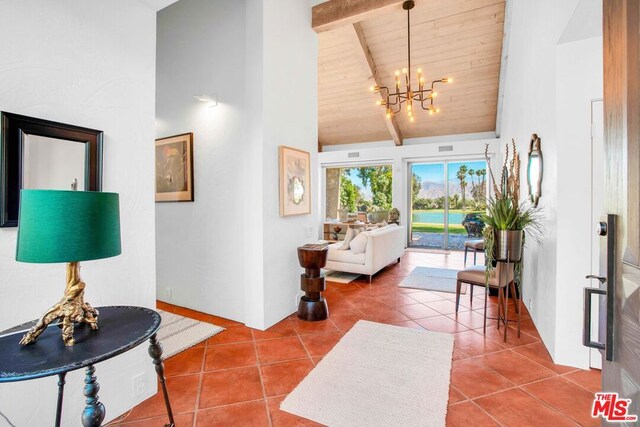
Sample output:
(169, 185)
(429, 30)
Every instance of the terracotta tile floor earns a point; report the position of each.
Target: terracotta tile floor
(240, 376)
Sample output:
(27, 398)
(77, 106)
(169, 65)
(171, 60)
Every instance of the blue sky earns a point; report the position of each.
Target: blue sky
(435, 172)
(365, 191)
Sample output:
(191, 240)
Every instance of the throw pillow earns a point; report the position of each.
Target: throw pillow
(359, 243)
(348, 237)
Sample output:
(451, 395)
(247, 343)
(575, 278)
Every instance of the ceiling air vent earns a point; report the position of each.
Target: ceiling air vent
(445, 148)
(352, 155)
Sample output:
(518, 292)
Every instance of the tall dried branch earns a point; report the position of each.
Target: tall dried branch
(505, 171)
(493, 180)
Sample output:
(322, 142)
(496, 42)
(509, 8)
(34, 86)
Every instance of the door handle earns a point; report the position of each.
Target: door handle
(600, 279)
(586, 328)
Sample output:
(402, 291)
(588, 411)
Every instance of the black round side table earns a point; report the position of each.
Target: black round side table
(120, 329)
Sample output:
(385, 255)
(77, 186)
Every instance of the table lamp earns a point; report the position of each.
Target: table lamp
(67, 226)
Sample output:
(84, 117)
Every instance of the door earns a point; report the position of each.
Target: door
(446, 201)
(621, 37)
(428, 205)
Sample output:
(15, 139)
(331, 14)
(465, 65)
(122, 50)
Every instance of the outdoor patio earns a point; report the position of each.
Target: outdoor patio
(436, 240)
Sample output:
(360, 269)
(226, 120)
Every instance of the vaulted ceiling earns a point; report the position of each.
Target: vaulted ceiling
(363, 42)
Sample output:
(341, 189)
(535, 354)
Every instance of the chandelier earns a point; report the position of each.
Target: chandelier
(424, 97)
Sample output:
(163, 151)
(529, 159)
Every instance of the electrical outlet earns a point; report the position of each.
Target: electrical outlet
(169, 293)
(309, 230)
(139, 385)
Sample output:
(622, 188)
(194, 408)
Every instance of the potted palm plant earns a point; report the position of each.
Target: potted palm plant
(506, 219)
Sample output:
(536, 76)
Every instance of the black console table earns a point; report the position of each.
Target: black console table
(120, 330)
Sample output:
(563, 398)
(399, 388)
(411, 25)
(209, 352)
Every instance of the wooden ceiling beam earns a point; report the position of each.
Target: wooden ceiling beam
(336, 13)
(375, 79)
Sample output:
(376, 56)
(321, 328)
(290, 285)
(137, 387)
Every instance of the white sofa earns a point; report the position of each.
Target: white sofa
(384, 246)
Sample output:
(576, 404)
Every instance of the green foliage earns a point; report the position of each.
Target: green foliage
(379, 179)
(462, 177)
(504, 214)
(437, 228)
(416, 185)
(423, 204)
(349, 192)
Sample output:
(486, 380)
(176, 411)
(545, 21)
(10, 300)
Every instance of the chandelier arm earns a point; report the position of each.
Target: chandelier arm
(389, 103)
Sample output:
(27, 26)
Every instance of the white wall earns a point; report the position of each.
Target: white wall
(87, 63)
(290, 117)
(579, 80)
(546, 91)
(401, 157)
(201, 51)
(238, 257)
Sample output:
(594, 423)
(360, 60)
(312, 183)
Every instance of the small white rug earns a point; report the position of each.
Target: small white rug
(340, 276)
(433, 279)
(178, 333)
(378, 375)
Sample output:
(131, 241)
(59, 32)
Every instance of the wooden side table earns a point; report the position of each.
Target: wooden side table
(312, 306)
(120, 329)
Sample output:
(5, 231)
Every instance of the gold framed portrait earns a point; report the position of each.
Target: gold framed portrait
(295, 181)
(174, 168)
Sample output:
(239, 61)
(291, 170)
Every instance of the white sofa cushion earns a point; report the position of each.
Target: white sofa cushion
(349, 236)
(359, 243)
(340, 255)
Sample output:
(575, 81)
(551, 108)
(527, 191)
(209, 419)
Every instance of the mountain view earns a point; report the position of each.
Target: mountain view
(434, 189)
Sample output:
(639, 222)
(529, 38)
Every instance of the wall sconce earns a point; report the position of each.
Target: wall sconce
(211, 100)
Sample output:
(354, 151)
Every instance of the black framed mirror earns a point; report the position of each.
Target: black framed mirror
(534, 169)
(42, 154)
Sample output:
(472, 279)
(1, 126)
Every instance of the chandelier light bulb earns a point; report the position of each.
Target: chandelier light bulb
(397, 73)
(411, 119)
(404, 71)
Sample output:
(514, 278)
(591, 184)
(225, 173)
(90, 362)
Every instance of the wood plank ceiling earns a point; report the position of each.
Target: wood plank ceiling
(449, 38)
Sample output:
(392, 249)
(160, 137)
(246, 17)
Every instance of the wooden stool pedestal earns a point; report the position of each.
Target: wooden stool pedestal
(312, 306)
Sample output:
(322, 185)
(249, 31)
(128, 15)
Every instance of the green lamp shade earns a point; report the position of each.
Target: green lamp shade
(67, 226)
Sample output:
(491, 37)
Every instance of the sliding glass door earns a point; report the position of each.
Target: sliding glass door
(446, 200)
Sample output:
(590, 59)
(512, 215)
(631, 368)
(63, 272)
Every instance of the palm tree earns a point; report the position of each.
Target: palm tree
(472, 173)
(481, 173)
(462, 176)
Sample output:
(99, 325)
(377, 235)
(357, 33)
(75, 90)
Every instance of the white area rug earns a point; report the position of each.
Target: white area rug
(378, 375)
(433, 279)
(339, 276)
(178, 333)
